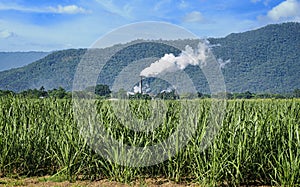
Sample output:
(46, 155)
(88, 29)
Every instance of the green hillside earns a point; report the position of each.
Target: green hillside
(262, 60)
(56, 69)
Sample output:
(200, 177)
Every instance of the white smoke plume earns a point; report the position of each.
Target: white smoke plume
(222, 63)
(136, 89)
(146, 89)
(168, 90)
(169, 63)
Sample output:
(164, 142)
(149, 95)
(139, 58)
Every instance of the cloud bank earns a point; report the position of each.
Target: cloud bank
(194, 16)
(285, 10)
(59, 9)
(69, 9)
(6, 34)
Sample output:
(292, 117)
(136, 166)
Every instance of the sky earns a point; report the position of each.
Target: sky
(43, 25)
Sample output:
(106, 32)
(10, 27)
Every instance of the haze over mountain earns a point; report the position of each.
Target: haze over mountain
(262, 60)
(10, 60)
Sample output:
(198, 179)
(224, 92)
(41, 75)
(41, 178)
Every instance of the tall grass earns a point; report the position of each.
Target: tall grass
(258, 142)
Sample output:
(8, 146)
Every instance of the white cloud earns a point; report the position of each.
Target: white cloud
(194, 16)
(287, 10)
(183, 4)
(161, 4)
(6, 34)
(18, 8)
(77, 33)
(68, 9)
(109, 6)
(266, 2)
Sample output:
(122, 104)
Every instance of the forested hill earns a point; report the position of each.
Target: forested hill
(262, 60)
(267, 59)
(55, 70)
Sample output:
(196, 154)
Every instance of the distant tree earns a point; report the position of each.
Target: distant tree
(229, 95)
(140, 96)
(102, 90)
(248, 95)
(6, 93)
(245, 95)
(296, 93)
(59, 93)
(43, 92)
(263, 95)
(31, 93)
(167, 95)
(200, 95)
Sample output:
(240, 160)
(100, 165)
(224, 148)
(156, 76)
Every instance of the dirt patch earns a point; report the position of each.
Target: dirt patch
(48, 182)
(34, 182)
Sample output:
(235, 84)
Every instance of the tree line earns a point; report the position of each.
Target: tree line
(59, 93)
(104, 92)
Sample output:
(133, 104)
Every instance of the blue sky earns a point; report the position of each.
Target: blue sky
(43, 25)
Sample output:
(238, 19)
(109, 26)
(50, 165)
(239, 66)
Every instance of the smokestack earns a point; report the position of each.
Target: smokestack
(141, 84)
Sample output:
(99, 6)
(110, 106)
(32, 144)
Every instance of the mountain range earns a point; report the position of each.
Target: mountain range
(9, 60)
(265, 60)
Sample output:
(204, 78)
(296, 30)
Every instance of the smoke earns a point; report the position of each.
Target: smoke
(146, 88)
(136, 89)
(222, 63)
(170, 63)
(168, 90)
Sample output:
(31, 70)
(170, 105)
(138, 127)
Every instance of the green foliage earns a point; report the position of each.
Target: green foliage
(104, 92)
(35, 93)
(202, 96)
(57, 68)
(140, 96)
(6, 93)
(59, 93)
(167, 95)
(296, 93)
(100, 90)
(258, 143)
(245, 95)
(262, 60)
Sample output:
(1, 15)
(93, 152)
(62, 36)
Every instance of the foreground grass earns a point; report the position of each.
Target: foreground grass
(258, 143)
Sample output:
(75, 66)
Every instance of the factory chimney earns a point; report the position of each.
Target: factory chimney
(141, 85)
